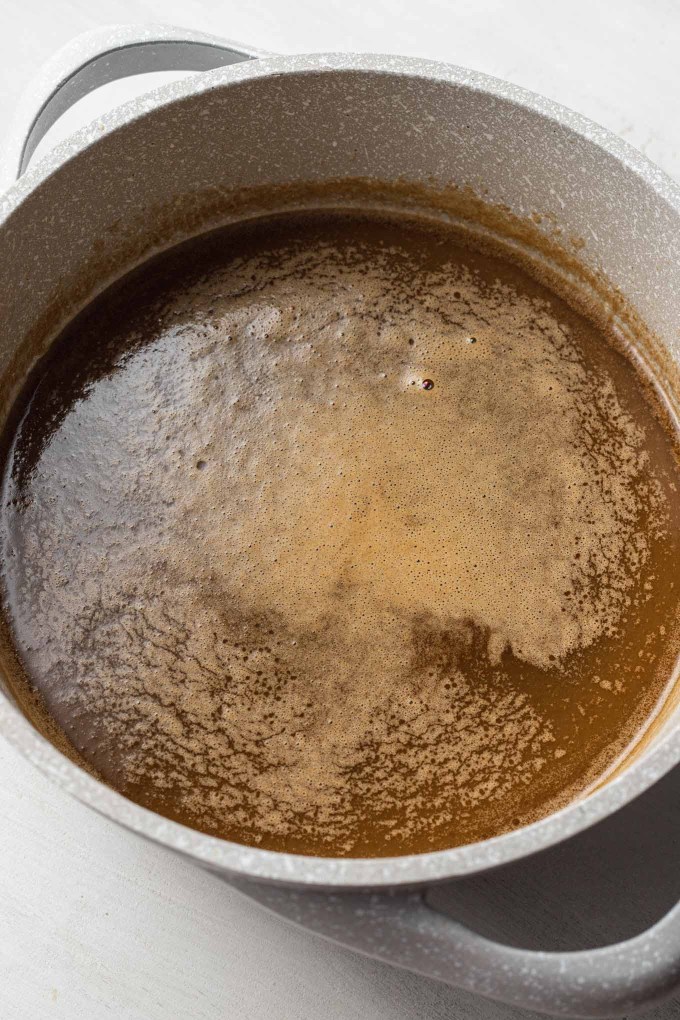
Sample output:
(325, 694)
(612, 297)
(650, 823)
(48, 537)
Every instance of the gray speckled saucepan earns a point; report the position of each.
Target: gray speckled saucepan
(268, 119)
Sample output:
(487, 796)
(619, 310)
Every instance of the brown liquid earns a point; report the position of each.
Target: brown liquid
(330, 535)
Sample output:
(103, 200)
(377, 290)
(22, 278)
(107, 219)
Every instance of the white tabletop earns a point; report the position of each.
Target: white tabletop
(96, 924)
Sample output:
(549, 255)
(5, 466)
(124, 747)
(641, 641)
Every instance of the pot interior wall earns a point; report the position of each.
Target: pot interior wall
(175, 171)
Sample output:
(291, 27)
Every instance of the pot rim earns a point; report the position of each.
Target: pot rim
(277, 866)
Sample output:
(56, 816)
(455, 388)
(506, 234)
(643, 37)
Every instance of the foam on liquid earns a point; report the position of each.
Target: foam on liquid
(273, 586)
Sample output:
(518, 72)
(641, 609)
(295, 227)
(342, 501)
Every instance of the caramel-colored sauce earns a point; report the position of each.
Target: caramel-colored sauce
(329, 534)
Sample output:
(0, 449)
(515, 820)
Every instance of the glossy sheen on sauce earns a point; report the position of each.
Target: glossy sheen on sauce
(328, 534)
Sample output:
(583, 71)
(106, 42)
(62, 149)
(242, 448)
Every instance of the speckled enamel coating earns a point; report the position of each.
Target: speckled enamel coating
(278, 119)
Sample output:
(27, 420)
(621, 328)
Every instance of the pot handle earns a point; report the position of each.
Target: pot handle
(402, 929)
(96, 58)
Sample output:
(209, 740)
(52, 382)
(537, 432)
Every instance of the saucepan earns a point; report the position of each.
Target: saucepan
(153, 172)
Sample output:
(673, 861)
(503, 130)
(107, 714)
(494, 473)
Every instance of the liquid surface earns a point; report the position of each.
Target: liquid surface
(333, 536)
